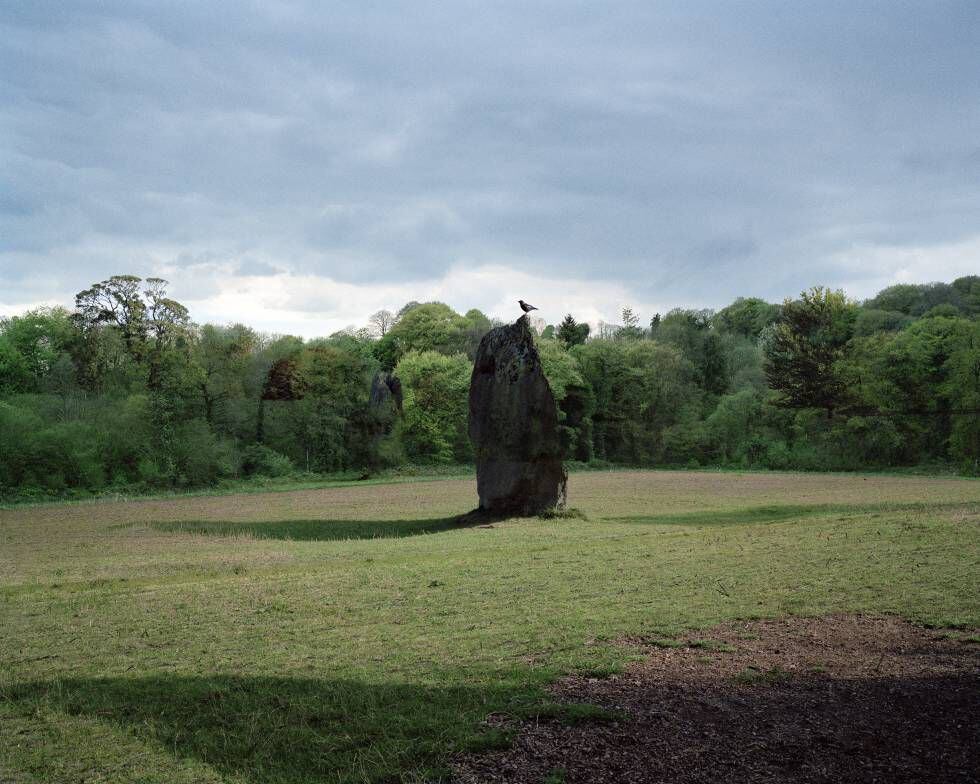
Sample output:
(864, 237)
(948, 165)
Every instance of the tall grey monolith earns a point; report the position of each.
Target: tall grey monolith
(384, 407)
(513, 424)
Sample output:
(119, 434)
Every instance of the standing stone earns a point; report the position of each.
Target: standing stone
(386, 395)
(384, 406)
(384, 410)
(513, 425)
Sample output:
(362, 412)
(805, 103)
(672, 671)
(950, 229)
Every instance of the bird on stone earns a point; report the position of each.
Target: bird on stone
(525, 307)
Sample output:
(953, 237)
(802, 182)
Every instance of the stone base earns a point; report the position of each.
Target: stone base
(521, 488)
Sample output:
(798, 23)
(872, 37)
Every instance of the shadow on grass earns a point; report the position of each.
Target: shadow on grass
(316, 530)
(752, 515)
(287, 730)
(295, 730)
(783, 513)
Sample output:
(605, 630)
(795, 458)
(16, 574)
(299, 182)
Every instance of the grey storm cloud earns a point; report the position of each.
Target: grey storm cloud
(693, 151)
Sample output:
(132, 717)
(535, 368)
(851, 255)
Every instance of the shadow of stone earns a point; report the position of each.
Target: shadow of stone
(289, 730)
(750, 516)
(321, 530)
(760, 515)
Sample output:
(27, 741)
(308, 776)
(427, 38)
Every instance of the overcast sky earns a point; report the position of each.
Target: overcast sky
(298, 165)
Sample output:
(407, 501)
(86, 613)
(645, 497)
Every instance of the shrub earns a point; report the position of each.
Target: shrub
(150, 473)
(259, 459)
(778, 456)
(868, 441)
(200, 457)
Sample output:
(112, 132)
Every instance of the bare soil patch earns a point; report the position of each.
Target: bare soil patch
(833, 699)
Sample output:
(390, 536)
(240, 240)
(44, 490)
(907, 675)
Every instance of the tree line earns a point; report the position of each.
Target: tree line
(125, 393)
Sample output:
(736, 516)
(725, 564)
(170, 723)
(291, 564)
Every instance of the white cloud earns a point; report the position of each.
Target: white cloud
(865, 270)
(311, 305)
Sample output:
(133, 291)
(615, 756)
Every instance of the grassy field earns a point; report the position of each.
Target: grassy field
(355, 634)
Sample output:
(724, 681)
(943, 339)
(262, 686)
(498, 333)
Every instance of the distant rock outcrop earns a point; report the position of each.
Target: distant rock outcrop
(513, 424)
(386, 394)
(384, 410)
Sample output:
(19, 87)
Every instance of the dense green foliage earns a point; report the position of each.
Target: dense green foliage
(125, 392)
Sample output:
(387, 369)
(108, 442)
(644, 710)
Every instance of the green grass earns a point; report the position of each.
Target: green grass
(753, 676)
(357, 634)
(257, 484)
(412, 473)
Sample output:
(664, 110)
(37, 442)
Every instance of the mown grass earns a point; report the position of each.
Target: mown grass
(249, 486)
(314, 530)
(357, 634)
(405, 473)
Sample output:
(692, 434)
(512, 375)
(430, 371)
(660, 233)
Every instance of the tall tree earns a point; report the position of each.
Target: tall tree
(803, 347)
(148, 321)
(640, 387)
(118, 303)
(381, 321)
(433, 326)
(962, 386)
(631, 329)
(166, 319)
(571, 333)
(31, 345)
(477, 325)
(224, 355)
(433, 427)
(746, 316)
(154, 329)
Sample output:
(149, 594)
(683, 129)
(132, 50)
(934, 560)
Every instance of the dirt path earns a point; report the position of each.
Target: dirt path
(837, 699)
